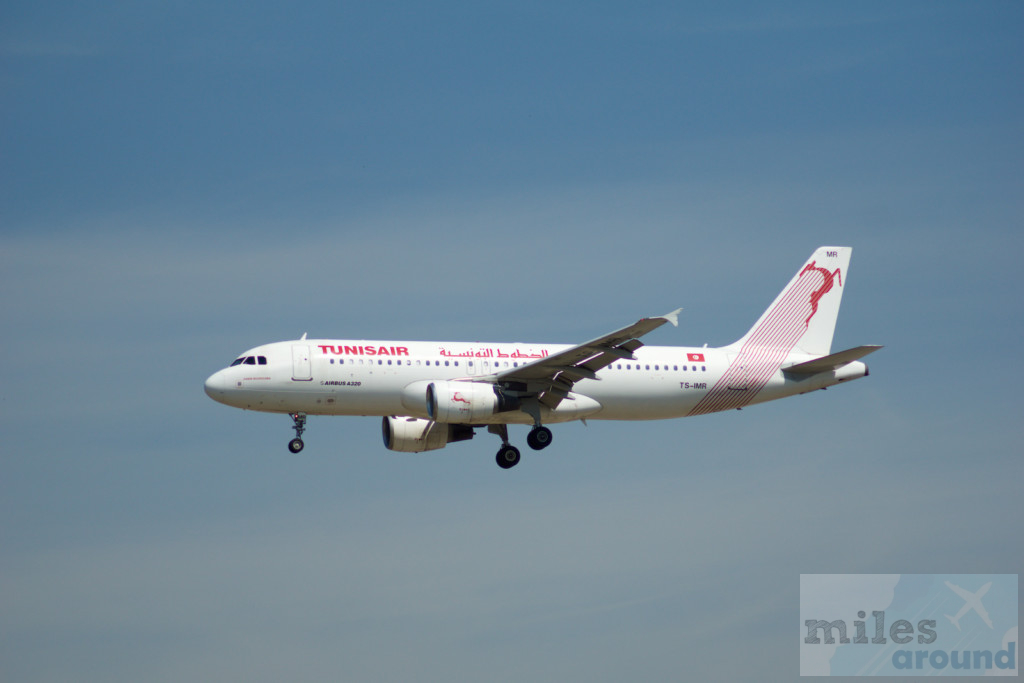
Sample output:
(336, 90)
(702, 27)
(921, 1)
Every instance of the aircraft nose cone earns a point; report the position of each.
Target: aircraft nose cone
(216, 386)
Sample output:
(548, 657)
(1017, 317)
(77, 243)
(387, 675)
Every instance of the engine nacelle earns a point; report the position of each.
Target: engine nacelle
(466, 402)
(414, 435)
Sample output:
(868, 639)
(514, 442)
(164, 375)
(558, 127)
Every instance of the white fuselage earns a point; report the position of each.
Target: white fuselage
(346, 377)
(430, 394)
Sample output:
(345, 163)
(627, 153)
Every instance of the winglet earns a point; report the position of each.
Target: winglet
(672, 317)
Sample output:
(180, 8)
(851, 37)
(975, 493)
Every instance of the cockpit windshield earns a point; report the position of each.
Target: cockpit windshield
(250, 360)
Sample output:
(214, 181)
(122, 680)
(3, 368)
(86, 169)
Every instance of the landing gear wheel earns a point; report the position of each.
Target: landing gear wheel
(299, 422)
(538, 438)
(508, 456)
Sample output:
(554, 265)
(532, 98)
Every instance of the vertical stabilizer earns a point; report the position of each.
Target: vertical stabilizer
(803, 317)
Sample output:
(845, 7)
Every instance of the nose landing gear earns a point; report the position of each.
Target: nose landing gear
(295, 445)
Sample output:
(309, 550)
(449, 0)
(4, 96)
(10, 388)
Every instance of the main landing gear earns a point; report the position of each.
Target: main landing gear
(539, 438)
(295, 445)
(508, 455)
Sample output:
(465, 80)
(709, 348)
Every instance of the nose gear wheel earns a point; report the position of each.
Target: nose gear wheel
(299, 420)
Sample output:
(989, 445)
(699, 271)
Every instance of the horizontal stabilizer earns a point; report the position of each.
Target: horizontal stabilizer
(831, 362)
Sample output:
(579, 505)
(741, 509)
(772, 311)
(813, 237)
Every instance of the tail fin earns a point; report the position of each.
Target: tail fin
(803, 316)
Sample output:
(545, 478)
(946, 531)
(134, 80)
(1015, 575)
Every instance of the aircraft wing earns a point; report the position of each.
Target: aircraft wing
(552, 378)
(983, 613)
(965, 594)
(979, 608)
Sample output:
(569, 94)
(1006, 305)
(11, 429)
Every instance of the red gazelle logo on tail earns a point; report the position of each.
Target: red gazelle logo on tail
(826, 286)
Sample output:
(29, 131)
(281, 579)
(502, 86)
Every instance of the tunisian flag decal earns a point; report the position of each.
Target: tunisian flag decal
(695, 357)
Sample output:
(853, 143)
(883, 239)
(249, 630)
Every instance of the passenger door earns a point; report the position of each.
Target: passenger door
(302, 368)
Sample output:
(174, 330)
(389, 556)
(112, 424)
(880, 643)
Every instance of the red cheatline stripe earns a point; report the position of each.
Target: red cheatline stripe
(785, 318)
(764, 350)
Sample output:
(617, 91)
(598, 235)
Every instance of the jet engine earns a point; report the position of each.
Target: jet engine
(414, 435)
(466, 402)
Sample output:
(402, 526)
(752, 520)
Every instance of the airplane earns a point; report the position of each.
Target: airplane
(971, 601)
(431, 394)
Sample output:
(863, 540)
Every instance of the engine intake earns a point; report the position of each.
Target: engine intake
(415, 435)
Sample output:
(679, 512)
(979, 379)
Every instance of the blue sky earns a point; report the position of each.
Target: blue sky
(182, 181)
